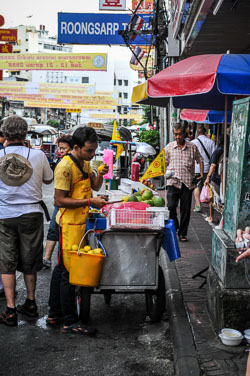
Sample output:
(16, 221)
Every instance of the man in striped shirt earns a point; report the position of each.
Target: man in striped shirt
(180, 158)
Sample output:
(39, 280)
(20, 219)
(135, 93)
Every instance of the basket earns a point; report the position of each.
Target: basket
(135, 219)
(85, 269)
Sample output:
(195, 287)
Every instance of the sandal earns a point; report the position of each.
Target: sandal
(9, 319)
(182, 238)
(209, 220)
(54, 321)
(78, 329)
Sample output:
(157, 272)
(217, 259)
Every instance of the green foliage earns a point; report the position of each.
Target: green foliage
(151, 137)
(53, 123)
(147, 114)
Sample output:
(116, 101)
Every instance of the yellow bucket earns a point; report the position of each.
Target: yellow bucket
(85, 269)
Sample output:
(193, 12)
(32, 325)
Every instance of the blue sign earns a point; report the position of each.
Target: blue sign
(97, 28)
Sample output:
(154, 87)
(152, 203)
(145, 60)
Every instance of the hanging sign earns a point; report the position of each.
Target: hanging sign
(96, 125)
(8, 35)
(96, 28)
(1, 20)
(112, 4)
(145, 6)
(78, 110)
(6, 48)
(97, 99)
(76, 62)
(114, 116)
(52, 89)
(176, 13)
(49, 104)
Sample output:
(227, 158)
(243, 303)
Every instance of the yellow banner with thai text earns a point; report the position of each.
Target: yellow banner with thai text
(66, 105)
(35, 88)
(67, 61)
(79, 102)
(114, 116)
(83, 99)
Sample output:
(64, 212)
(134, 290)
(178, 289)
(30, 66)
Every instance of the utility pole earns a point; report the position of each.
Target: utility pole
(161, 31)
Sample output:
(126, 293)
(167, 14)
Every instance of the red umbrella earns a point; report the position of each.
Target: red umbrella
(204, 82)
(205, 116)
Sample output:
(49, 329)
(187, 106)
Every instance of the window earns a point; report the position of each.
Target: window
(114, 81)
(125, 82)
(120, 95)
(85, 80)
(125, 95)
(120, 82)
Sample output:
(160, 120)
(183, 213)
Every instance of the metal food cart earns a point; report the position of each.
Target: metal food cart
(132, 266)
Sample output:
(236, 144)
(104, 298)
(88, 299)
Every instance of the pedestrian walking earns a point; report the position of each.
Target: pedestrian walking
(74, 181)
(213, 178)
(180, 158)
(206, 148)
(22, 172)
(65, 147)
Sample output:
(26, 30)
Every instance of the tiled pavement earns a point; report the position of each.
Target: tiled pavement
(197, 348)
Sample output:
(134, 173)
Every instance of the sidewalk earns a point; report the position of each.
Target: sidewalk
(197, 348)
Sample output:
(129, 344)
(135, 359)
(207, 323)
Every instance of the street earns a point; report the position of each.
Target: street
(126, 344)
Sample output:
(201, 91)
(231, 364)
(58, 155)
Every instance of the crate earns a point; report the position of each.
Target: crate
(136, 219)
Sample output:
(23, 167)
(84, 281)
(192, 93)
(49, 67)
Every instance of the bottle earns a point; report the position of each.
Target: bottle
(135, 171)
(108, 160)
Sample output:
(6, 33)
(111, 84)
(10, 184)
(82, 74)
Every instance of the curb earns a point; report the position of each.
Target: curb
(185, 355)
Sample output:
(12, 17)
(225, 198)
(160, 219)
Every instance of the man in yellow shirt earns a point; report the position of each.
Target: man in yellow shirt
(74, 181)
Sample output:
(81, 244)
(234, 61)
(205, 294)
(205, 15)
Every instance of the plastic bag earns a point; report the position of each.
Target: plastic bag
(129, 214)
(206, 194)
(127, 205)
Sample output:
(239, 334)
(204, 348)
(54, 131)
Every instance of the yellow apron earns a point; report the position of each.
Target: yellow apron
(72, 222)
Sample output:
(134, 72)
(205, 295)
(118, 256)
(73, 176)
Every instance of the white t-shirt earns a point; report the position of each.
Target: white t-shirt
(16, 201)
(210, 147)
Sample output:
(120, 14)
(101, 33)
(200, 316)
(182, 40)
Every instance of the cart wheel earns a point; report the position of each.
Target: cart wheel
(107, 297)
(84, 303)
(156, 300)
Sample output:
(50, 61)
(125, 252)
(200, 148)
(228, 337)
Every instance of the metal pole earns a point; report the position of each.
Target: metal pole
(166, 136)
(151, 115)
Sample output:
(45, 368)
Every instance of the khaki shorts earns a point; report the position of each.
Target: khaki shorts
(21, 244)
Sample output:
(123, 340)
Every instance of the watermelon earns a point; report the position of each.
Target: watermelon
(147, 195)
(159, 202)
(133, 198)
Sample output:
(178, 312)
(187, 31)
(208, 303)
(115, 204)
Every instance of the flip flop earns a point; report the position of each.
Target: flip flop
(54, 321)
(208, 220)
(79, 329)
